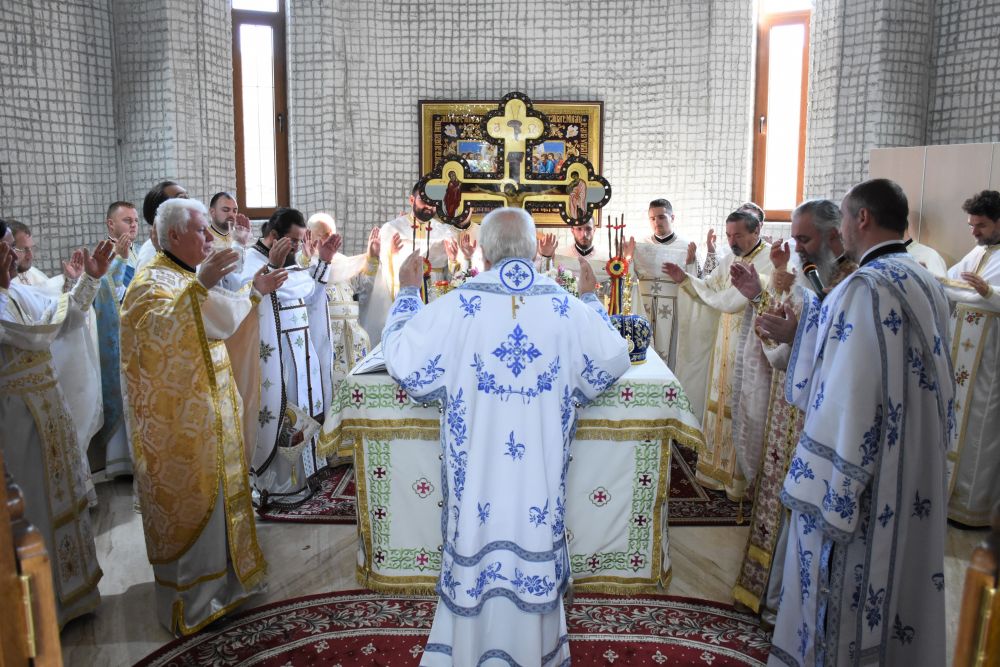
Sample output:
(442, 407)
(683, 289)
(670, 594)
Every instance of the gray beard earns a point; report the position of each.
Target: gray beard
(826, 264)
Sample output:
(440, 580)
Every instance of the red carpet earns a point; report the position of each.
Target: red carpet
(362, 628)
(693, 505)
(690, 504)
(333, 502)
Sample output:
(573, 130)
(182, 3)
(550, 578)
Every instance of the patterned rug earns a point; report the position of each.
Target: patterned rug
(333, 502)
(690, 504)
(362, 628)
(693, 505)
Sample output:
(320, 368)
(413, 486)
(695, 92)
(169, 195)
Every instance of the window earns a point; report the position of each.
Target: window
(260, 105)
(780, 108)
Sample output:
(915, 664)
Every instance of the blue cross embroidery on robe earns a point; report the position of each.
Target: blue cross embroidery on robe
(515, 273)
(515, 352)
(893, 322)
(471, 306)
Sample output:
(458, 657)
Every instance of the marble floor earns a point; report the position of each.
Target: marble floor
(307, 559)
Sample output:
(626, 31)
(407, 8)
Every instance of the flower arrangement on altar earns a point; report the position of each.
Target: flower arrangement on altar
(457, 280)
(564, 278)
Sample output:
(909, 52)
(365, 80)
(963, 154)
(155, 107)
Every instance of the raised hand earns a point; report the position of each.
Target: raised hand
(675, 272)
(309, 244)
(397, 244)
(467, 245)
(265, 283)
(217, 266)
(374, 243)
(451, 250)
(587, 281)
(411, 271)
(779, 327)
(977, 282)
(279, 251)
(96, 265)
(780, 254)
(547, 245)
(123, 245)
(7, 261)
(782, 280)
(242, 230)
(710, 241)
(692, 251)
(328, 248)
(73, 268)
(628, 248)
(745, 279)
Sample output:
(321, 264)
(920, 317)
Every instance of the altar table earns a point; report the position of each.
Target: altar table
(616, 489)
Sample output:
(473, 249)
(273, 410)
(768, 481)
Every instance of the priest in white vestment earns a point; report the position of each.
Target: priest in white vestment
(864, 563)
(717, 466)
(185, 414)
(660, 294)
(521, 356)
(109, 453)
(296, 359)
(160, 193)
(417, 230)
(39, 437)
(347, 290)
(973, 287)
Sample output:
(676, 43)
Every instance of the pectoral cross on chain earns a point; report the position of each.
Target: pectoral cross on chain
(514, 305)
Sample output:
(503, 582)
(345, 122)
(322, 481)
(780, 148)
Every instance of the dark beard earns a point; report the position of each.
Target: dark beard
(424, 214)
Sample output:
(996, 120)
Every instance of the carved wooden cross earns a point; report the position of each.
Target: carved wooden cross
(515, 127)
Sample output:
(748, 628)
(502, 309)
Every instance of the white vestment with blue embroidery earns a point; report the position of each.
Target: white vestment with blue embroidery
(864, 564)
(510, 355)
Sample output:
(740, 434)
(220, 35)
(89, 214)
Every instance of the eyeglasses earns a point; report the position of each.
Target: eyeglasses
(34, 250)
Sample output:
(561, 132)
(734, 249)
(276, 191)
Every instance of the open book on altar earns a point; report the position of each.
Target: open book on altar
(373, 362)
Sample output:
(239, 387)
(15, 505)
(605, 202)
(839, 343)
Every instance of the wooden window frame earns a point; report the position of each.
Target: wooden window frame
(276, 21)
(764, 26)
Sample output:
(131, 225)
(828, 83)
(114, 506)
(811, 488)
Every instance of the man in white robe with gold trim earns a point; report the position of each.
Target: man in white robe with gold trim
(296, 359)
(430, 235)
(864, 562)
(523, 355)
(717, 465)
(39, 438)
(973, 287)
(185, 413)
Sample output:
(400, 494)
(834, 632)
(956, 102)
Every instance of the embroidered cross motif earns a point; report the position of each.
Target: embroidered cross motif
(893, 321)
(627, 394)
(640, 520)
(401, 396)
(265, 416)
(600, 496)
(421, 559)
(516, 274)
(379, 556)
(645, 479)
(357, 396)
(422, 487)
(519, 349)
(967, 344)
(665, 311)
(637, 560)
(593, 562)
(379, 472)
(379, 513)
(671, 394)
